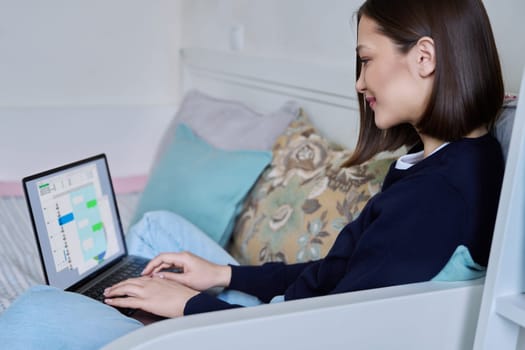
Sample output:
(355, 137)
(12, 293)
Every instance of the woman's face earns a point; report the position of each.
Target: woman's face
(390, 80)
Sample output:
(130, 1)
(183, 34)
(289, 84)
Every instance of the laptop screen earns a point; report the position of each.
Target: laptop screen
(76, 220)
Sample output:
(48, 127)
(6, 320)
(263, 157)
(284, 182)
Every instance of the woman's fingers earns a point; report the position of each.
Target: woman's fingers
(151, 266)
(189, 270)
(130, 302)
(162, 267)
(152, 294)
(132, 285)
(161, 262)
(128, 294)
(171, 276)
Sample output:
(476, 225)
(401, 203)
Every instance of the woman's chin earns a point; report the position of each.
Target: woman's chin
(382, 124)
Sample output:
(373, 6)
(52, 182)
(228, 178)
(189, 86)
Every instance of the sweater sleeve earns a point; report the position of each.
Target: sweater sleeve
(264, 282)
(203, 302)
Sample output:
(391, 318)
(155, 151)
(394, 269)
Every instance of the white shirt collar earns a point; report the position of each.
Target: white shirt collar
(409, 160)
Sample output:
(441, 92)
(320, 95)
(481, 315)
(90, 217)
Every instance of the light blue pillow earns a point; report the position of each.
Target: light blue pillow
(201, 183)
(460, 267)
(45, 317)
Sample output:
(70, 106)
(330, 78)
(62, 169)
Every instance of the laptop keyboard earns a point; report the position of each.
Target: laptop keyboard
(132, 269)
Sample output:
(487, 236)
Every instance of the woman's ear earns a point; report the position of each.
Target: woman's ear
(426, 56)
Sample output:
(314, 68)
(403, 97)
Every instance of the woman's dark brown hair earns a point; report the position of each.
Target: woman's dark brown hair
(468, 86)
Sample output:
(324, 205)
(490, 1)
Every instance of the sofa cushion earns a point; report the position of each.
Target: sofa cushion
(203, 184)
(503, 127)
(303, 200)
(228, 124)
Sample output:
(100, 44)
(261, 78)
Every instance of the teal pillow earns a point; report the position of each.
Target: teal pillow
(203, 184)
(45, 317)
(460, 267)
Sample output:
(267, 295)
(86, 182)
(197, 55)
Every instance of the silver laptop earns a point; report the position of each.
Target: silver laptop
(77, 226)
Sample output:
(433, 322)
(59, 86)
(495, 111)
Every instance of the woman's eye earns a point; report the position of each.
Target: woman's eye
(364, 61)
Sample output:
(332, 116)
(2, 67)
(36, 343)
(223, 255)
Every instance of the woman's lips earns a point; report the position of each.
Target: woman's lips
(371, 101)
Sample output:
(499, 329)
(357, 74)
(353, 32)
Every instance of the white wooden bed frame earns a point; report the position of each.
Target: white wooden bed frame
(426, 315)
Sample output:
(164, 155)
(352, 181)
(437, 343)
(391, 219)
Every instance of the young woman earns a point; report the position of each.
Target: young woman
(428, 76)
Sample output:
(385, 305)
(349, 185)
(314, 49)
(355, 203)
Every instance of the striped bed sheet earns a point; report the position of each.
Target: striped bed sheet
(20, 266)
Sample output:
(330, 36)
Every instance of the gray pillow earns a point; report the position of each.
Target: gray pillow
(228, 124)
(503, 128)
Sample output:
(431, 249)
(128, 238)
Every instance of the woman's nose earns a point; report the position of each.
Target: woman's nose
(360, 85)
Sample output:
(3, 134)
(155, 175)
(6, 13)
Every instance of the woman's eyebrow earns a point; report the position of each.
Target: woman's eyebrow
(360, 47)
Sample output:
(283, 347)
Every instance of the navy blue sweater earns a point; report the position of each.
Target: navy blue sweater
(405, 234)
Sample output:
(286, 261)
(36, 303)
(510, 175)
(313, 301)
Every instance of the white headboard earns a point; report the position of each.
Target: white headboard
(326, 93)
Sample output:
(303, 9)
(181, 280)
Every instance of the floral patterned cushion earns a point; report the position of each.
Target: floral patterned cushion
(304, 198)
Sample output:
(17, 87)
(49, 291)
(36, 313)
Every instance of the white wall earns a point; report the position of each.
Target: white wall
(100, 52)
(33, 139)
(309, 30)
(102, 56)
(508, 24)
(88, 52)
(324, 31)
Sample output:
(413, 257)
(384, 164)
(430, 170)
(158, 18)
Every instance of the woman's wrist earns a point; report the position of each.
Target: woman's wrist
(225, 275)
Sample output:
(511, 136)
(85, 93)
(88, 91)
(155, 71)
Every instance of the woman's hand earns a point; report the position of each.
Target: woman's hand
(156, 295)
(194, 272)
